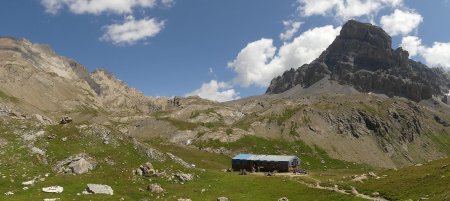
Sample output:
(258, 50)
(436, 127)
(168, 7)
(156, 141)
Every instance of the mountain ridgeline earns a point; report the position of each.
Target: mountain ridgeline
(361, 56)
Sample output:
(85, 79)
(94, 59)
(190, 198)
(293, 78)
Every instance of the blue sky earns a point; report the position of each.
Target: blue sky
(218, 49)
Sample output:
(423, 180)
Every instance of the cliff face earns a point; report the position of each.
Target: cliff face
(361, 56)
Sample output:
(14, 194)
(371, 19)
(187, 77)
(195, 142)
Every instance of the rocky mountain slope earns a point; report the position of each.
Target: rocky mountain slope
(42, 82)
(361, 56)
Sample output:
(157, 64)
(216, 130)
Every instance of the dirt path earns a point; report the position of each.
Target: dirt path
(336, 189)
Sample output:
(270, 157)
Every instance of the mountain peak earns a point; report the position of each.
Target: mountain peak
(362, 57)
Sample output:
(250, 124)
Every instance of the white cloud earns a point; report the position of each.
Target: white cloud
(291, 28)
(345, 9)
(412, 44)
(216, 91)
(436, 55)
(168, 3)
(132, 30)
(97, 7)
(401, 22)
(259, 61)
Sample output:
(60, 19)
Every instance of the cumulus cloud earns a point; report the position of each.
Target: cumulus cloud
(345, 9)
(168, 3)
(436, 55)
(216, 91)
(132, 30)
(97, 7)
(259, 61)
(401, 22)
(291, 28)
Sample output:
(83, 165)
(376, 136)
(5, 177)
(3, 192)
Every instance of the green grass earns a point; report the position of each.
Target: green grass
(413, 182)
(18, 165)
(6, 97)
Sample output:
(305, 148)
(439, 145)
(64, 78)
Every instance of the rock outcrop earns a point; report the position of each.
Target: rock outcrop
(361, 56)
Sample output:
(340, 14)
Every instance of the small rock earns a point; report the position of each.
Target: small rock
(25, 188)
(322, 161)
(28, 183)
(52, 199)
(372, 174)
(283, 199)
(184, 177)
(184, 199)
(376, 194)
(99, 189)
(65, 120)
(35, 150)
(155, 188)
(9, 193)
(223, 199)
(53, 189)
(64, 139)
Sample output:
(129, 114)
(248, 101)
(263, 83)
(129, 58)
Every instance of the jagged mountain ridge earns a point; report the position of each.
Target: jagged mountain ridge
(43, 81)
(362, 57)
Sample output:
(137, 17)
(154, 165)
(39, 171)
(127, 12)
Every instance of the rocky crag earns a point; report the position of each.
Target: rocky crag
(361, 56)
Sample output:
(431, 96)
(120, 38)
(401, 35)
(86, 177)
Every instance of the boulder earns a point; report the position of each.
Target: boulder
(53, 189)
(65, 120)
(283, 199)
(184, 177)
(155, 188)
(99, 189)
(223, 199)
(78, 164)
(81, 166)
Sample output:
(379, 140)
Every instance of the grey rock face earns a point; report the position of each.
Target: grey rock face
(99, 189)
(361, 56)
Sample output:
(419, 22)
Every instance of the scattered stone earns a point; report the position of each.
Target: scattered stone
(184, 199)
(52, 199)
(65, 120)
(9, 193)
(184, 177)
(283, 199)
(372, 174)
(99, 189)
(78, 164)
(223, 199)
(64, 139)
(359, 178)
(28, 183)
(53, 189)
(25, 188)
(180, 161)
(418, 164)
(42, 119)
(35, 150)
(376, 194)
(155, 188)
(322, 161)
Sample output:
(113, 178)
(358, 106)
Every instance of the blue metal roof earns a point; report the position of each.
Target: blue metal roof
(254, 157)
(242, 156)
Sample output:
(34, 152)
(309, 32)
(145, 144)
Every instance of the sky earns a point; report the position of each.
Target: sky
(218, 49)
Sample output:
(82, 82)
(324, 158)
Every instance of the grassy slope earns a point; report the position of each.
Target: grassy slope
(17, 165)
(430, 180)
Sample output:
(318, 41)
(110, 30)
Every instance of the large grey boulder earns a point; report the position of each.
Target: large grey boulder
(78, 164)
(99, 189)
(81, 166)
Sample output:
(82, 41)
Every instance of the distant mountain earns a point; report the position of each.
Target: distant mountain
(362, 57)
(42, 81)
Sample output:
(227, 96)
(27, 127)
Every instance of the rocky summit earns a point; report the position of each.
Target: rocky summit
(362, 57)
